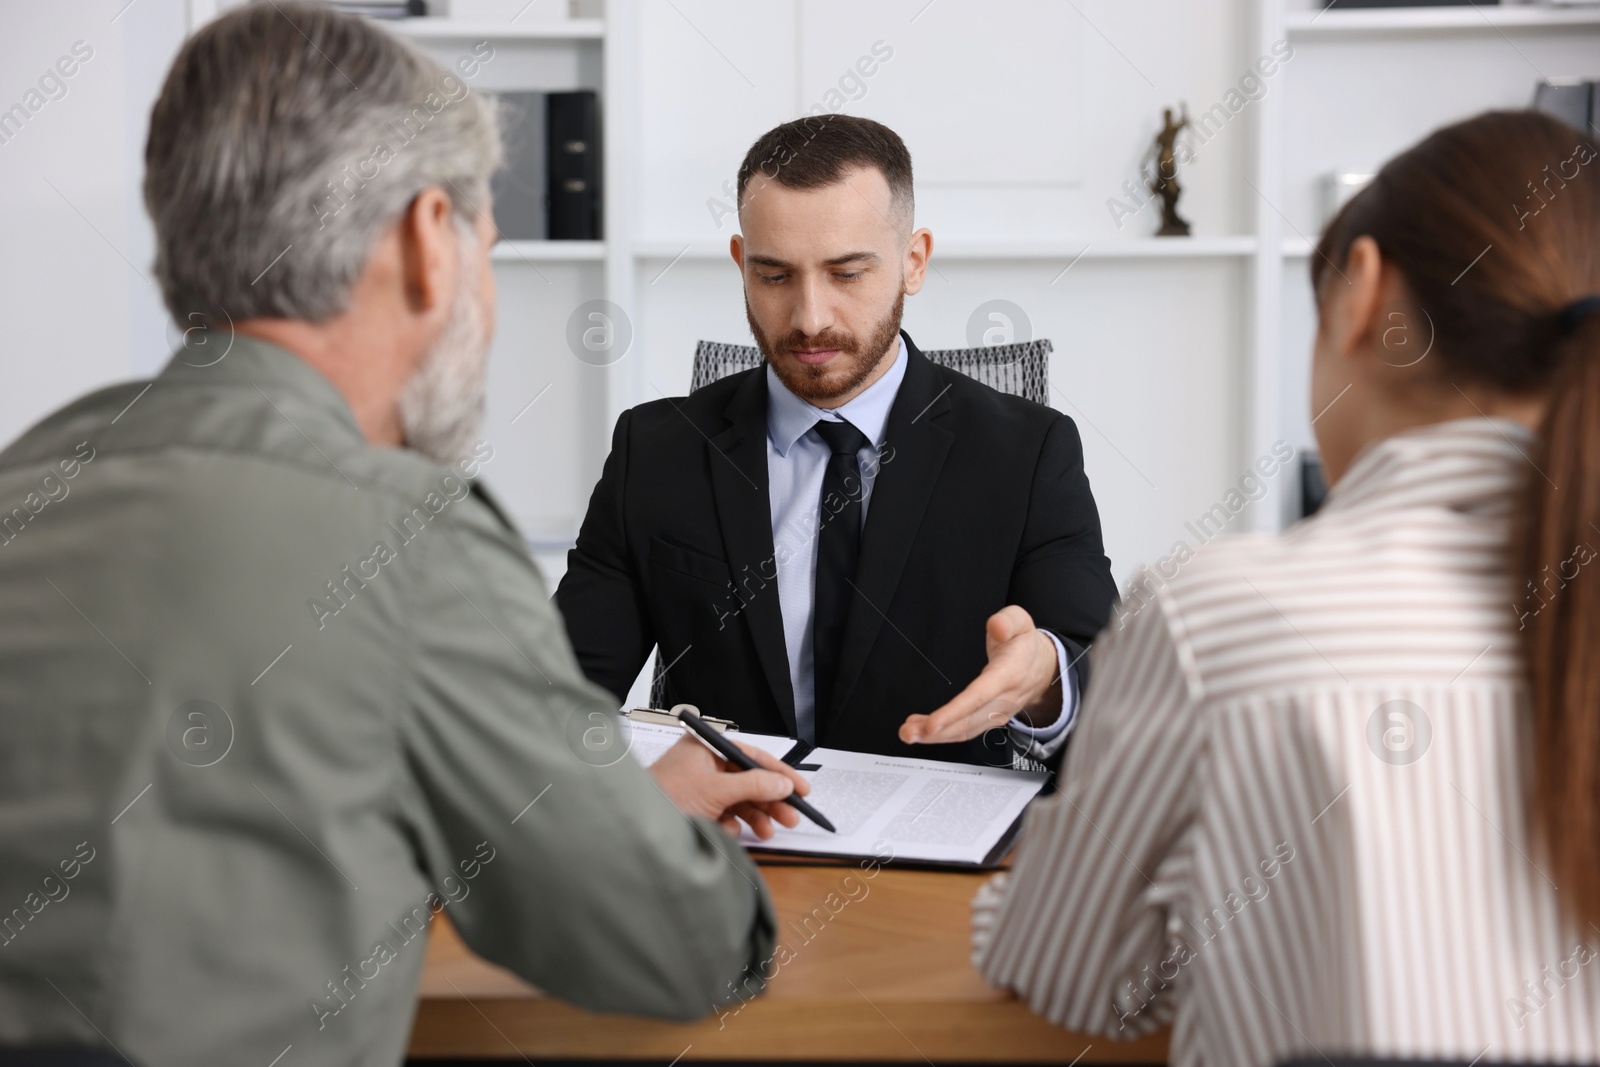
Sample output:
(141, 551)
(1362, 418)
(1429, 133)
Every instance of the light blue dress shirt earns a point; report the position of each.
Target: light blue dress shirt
(797, 458)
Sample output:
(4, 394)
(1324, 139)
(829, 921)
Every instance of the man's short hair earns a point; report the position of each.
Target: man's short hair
(815, 151)
(287, 137)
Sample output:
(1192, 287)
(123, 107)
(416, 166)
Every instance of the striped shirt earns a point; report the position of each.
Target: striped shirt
(1293, 820)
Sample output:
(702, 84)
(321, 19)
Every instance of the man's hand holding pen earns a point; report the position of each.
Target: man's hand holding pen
(700, 782)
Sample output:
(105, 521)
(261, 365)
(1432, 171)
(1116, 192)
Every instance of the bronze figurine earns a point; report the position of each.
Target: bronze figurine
(1164, 183)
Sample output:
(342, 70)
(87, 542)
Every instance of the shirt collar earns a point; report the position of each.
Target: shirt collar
(789, 418)
(274, 371)
(1472, 465)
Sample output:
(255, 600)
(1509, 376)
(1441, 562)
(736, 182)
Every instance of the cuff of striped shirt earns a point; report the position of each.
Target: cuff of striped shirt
(985, 913)
(1042, 742)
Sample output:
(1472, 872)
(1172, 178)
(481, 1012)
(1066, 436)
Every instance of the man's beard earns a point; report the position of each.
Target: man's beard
(842, 374)
(442, 406)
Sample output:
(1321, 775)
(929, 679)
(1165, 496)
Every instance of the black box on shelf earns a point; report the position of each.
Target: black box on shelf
(1313, 485)
(1566, 99)
(573, 161)
(1569, 99)
(382, 9)
(521, 210)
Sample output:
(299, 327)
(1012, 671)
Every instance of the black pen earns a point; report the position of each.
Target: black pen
(736, 756)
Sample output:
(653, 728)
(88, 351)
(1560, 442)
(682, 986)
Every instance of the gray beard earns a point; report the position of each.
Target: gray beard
(442, 406)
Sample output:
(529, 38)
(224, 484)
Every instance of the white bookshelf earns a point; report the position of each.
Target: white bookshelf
(1425, 20)
(1368, 83)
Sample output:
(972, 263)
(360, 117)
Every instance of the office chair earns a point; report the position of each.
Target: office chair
(1021, 369)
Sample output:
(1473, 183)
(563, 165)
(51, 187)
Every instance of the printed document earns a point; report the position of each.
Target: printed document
(900, 808)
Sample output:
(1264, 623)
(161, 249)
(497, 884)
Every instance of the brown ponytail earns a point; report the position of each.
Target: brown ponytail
(1562, 642)
(1495, 225)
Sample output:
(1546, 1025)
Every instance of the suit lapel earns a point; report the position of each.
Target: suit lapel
(900, 495)
(738, 462)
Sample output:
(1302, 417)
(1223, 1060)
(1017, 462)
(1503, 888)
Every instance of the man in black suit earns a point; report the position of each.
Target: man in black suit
(822, 547)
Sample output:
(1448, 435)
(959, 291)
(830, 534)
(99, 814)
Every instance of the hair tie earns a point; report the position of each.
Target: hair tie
(1577, 311)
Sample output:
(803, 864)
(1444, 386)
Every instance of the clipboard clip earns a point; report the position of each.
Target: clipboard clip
(666, 718)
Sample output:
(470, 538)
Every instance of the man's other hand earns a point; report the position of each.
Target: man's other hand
(700, 782)
(1021, 678)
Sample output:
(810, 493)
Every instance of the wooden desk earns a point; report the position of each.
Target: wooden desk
(887, 977)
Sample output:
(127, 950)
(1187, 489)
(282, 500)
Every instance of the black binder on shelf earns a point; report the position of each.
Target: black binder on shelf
(573, 165)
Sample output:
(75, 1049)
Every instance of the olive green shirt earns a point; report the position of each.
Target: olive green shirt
(270, 696)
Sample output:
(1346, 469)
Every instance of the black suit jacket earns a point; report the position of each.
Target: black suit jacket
(983, 503)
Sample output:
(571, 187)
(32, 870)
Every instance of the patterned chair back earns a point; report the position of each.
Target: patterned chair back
(1021, 369)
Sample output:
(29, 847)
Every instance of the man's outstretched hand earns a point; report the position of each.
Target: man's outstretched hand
(1021, 678)
(700, 782)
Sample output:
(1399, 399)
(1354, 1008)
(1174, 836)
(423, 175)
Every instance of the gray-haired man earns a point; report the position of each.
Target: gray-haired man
(277, 681)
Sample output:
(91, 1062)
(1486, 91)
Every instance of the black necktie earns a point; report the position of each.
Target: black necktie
(838, 545)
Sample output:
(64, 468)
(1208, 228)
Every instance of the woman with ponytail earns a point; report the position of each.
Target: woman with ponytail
(1337, 791)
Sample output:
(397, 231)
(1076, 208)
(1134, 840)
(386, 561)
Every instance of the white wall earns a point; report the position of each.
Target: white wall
(76, 297)
(1048, 114)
